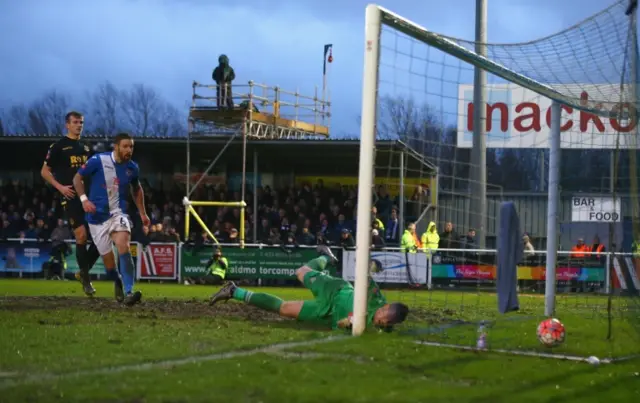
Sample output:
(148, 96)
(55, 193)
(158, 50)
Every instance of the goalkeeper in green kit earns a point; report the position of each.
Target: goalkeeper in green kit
(333, 298)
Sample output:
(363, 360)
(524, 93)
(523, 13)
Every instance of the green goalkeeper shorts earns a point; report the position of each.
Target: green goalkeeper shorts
(324, 288)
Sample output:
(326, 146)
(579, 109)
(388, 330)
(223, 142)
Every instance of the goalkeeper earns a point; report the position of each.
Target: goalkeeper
(333, 298)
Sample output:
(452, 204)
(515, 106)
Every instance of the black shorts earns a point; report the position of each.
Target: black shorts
(74, 213)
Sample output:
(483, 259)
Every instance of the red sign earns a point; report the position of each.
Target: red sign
(158, 261)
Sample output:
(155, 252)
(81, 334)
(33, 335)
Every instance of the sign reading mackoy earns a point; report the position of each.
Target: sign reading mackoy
(517, 117)
(397, 267)
(595, 209)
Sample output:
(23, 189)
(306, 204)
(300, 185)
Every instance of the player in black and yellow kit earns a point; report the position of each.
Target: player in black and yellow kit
(63, 160)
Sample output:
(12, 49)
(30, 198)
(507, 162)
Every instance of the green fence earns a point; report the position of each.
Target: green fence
(249, 263)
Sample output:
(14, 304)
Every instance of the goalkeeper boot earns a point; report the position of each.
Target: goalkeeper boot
(85, 280)
(133, 298)
(324, 250)
(223, 294)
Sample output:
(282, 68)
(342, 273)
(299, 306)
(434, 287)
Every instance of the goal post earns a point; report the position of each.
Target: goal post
(366, 165)
(545, 77)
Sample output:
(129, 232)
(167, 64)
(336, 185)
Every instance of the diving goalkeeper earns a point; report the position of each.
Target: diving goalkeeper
(333, 298)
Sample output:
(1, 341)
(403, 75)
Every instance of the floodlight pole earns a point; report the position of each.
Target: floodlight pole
(632, 12)
(552, 210)
(401, 200)
(479, 151)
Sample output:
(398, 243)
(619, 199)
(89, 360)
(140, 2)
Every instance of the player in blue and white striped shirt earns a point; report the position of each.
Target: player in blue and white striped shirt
(111, 175)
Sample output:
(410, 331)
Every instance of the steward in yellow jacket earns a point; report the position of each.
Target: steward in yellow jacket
(430, 238)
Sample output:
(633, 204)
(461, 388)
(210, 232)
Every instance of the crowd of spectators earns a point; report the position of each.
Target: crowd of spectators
(305, 215)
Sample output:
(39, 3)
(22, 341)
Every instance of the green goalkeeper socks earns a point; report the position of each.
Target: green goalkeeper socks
(263, 301)
(318, 264)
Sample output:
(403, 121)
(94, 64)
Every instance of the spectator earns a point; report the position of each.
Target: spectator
(264, 231)
(580, 250)
(408, 242)
(449, 239)
(597, 248)
(306, 237)
(172, 235)
(234, 237)
(469, 241)
(528, 247)
(430, 239)
(392, 234)
(377, 242)
(60, 233)
(375, 220)
(346, 239)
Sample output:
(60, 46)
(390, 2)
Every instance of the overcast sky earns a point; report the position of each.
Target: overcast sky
(73, 45)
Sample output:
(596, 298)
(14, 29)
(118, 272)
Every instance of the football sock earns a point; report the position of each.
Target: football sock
(267, 302)
(127, 271)
(318, 264)
(112, 274)
(91, 256)
(81, 257)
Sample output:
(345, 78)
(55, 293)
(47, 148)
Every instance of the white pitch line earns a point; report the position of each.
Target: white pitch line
(40, 378)
(516, 352)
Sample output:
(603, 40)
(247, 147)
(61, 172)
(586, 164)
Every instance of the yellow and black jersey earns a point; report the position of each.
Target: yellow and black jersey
(65, 157)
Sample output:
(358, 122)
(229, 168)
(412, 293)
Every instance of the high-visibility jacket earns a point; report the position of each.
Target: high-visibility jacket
(408, 242)
(219, 267)
(578, 251)
(430, 238)
(597, 249)
(635, 249)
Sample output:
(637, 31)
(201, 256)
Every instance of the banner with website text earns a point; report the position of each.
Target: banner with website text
(249, 263)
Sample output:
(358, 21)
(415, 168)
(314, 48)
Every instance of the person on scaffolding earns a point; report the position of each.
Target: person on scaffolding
(223, 75)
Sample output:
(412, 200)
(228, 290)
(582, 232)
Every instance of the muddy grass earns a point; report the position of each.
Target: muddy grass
(147, 309)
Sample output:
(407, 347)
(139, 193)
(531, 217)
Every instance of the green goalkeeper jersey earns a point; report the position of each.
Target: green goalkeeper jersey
(343, 303)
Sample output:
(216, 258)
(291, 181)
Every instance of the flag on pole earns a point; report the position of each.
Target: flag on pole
(328, 57)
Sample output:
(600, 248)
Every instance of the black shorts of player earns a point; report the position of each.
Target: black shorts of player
(74, 213)
(212, 279)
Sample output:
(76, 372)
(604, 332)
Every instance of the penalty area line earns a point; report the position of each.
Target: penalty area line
(172, 363)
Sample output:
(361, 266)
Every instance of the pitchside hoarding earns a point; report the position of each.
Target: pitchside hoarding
(520, 118)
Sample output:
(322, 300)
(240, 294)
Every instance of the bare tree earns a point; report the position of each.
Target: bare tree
(168, 121)
(140, 105)
(419, 127)
(17, 120)
(46, 114)
(1, 127)
(105, 106)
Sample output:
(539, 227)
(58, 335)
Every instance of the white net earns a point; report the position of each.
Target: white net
(424, 93)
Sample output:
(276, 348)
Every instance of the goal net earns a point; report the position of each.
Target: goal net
(418, 89)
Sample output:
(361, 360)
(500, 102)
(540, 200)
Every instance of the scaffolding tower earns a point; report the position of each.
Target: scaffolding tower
(259, 112)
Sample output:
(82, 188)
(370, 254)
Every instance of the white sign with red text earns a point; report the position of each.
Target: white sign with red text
(520, 118)
(158, 261)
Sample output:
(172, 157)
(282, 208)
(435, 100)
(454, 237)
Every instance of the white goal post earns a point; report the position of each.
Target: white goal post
(375, 17)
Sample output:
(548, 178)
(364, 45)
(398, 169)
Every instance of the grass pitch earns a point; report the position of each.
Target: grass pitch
(56, 345)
